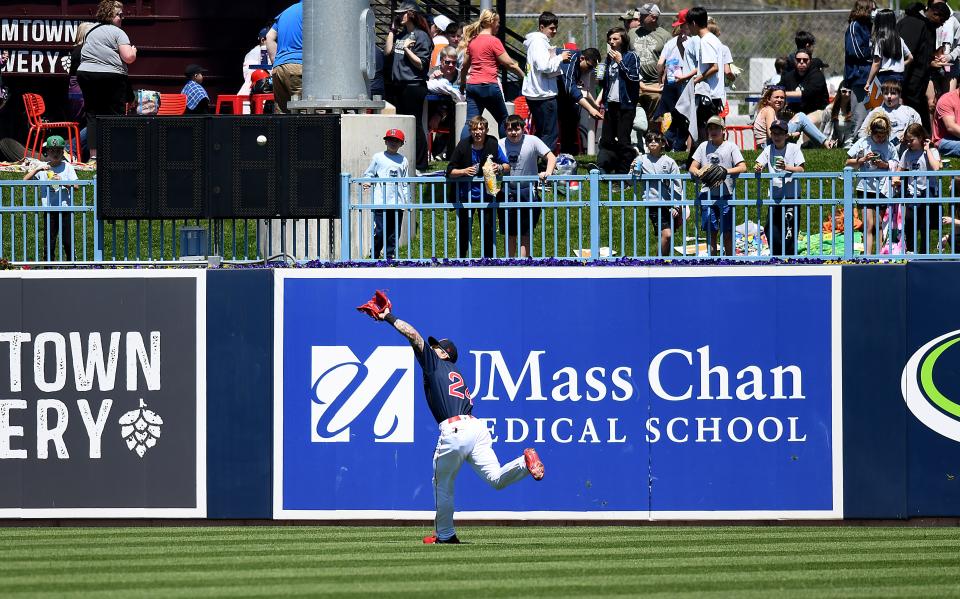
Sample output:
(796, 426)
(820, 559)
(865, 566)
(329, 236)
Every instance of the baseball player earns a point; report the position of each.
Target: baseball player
(462, 436)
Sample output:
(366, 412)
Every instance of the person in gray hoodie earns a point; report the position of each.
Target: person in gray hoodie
(540, 82)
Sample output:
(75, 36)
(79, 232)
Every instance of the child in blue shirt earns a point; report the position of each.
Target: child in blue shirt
(387, 164)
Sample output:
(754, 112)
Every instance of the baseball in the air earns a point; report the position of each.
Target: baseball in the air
(261, 140)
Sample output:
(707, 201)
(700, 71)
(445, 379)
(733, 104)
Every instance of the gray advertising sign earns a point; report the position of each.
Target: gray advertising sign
(102, 394)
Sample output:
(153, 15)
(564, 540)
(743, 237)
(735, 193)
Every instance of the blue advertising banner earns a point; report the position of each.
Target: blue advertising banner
(708, 393)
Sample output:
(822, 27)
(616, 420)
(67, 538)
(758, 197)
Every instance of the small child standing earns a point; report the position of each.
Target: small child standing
(920, 155)
(387, 164)
(666, 219)
(781, 159)
(871, 154)
(717, 150)
(56, 169)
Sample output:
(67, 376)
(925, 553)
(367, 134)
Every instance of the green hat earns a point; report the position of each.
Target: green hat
(54, 141)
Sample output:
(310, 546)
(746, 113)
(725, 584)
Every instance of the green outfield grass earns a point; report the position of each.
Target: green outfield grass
(494, 562)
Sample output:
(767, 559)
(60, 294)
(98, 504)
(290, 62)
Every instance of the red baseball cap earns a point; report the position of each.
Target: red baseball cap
(395, 134)
(681, 18)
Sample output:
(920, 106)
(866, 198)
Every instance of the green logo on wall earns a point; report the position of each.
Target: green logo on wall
(919, 387)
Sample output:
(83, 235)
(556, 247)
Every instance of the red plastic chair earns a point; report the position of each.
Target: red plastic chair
(36, 136)
(737, 134)
(522, 110)
(235, 102)
(258, 100)
(172, 104)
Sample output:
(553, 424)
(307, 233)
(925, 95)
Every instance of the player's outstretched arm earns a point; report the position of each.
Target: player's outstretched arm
(405, 329)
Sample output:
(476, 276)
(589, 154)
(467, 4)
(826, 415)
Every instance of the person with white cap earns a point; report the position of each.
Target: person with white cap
(631, 19)
(647, 41)
(439, 29)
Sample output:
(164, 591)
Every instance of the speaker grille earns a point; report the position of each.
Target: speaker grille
(124, 189)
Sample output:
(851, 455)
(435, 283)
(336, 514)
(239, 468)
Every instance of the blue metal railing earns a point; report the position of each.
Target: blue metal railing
(590, 216)
(599, 216)
(33, 231)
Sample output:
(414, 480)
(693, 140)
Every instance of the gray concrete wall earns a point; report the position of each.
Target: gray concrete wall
(361, 137)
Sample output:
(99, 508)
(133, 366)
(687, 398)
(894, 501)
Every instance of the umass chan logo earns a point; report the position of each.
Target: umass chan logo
(918, 385)
(361, 400)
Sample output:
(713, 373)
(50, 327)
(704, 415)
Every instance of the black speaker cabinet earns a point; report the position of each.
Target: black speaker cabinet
(219, 167)
(125, 183)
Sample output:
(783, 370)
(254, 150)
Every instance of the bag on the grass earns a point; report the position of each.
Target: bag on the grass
(147, 102)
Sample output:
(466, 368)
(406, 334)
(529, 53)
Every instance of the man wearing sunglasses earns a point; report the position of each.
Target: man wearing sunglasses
(442, 82)
(807, 84)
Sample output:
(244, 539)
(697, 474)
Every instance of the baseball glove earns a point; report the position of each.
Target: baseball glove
(713, 175)
(376, 305)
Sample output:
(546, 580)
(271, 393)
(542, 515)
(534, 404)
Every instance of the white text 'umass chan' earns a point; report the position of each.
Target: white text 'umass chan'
(687, 380)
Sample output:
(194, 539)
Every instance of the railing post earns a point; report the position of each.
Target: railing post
(594, 214)
(97, 227)
(848, 219)
(344, 217)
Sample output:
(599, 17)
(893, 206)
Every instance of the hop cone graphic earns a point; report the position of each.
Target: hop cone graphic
(140, 429)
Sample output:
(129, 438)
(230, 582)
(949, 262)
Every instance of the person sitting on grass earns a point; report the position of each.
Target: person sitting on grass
(665, 219)
(56, 169)
(772, 107)
(717, 150)
(782, 159)
(871, 154)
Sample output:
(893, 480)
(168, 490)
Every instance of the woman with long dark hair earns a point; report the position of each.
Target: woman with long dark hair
(484, 54)
(102, 74)
(890, 52)
(858, 57)
(621, 89)
(409, 46)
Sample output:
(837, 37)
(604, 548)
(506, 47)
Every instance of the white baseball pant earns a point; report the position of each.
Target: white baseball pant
(467, 439)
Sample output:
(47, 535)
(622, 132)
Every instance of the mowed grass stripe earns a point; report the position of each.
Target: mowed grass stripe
(266, 561)
(574, 581)
(548, 567)
(374, 553)
(712, 546)
(570, 561)
(402, 532)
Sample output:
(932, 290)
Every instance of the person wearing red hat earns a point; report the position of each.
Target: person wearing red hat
(675, 69)
(389, 164)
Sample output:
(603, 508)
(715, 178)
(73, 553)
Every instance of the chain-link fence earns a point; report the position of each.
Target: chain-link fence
(748, 34)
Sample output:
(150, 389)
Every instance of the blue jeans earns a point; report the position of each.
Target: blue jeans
(487, 96)
(803, 123)
(544, 113)
(385, 225)
(949, 147)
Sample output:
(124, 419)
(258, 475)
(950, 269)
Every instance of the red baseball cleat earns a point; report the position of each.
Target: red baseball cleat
(433, 539)
(534, 465)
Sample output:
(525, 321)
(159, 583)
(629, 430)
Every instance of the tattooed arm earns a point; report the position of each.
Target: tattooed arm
(405, 329)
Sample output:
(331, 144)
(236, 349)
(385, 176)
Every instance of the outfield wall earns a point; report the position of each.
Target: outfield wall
(298, 407)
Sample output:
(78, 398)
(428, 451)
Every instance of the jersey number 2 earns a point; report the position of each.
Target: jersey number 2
(456, 385)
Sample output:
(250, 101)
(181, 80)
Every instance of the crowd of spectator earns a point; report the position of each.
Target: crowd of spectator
(651, 89)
